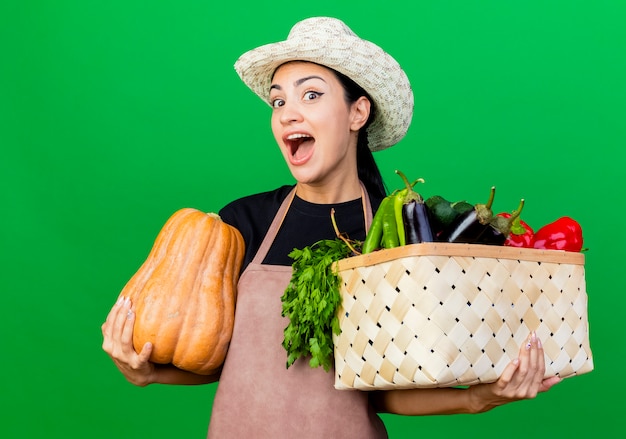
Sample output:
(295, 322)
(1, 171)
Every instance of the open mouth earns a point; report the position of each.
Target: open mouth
(300, 147)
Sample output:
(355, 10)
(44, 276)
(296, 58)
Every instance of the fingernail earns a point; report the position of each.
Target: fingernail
(119, 300)
(539, 345)
(126, 301)
(516, 361)
(533, 336)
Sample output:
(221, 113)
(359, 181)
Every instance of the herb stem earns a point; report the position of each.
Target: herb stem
(340, 235)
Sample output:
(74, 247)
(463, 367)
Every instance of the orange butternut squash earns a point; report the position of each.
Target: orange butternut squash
(185, 291)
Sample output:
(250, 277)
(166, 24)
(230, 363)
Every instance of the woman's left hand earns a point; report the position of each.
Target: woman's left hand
(523, 378)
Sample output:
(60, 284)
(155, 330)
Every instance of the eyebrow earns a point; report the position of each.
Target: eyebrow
(297, 82)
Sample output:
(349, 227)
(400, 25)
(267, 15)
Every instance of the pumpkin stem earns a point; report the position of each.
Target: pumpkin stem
(340, 235)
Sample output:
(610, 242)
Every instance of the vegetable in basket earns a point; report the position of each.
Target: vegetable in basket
(415, 215)
(398, 202)
(521, 233)
(387, 218)
(466, 228)
(390, 238)
(374, 237)
(563, 234)
(443, 212)
(375, 233)
(500, 228)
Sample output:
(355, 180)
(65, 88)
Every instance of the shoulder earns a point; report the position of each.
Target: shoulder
(252, 215)
(253, 206)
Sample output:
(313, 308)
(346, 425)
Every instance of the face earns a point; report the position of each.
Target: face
(313, 124)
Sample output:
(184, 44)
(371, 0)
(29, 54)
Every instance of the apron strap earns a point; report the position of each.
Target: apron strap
(282, 212)
(367, 207)
(273, 230)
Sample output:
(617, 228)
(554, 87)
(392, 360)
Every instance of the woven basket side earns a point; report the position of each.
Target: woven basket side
(436, 321)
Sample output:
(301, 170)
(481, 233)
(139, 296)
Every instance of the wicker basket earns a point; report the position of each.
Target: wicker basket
(442, 315)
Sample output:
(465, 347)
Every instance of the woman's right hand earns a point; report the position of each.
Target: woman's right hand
(117, 331)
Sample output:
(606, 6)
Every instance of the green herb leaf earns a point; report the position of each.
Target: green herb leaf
(311, 300)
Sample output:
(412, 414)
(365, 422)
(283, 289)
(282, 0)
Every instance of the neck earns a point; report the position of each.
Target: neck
(332, 193)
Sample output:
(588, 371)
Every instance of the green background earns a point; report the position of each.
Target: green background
(114, 114)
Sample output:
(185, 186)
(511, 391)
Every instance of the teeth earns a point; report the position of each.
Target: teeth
(297, 136)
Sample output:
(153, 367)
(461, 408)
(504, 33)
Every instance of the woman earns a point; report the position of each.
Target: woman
(334, 98)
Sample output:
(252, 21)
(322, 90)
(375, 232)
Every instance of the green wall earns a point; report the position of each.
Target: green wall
(114, 114)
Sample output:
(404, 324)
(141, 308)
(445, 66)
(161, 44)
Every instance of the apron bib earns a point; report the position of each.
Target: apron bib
(257, 396)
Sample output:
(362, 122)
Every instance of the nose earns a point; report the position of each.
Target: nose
(290, 113)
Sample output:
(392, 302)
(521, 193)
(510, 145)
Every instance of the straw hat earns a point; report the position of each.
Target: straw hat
(329, 42)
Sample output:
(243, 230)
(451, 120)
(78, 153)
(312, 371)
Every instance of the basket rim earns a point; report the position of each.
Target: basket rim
(467, 250)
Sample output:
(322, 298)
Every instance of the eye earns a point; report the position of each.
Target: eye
(311, 95)
(276, 103)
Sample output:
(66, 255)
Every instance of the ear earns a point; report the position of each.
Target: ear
(360, 112)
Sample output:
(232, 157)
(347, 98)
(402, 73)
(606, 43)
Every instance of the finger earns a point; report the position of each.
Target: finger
(111, 316)
(519, 381)
(108, 327)
(541, 357)
(531, 383)
(146, 350)
(540, 364)
(118, 320)
(122, 313)
(525, 358)
(127, 330)
(549, 382)
(507, 374)
(533, 352)
(113, 319)
(517, 370)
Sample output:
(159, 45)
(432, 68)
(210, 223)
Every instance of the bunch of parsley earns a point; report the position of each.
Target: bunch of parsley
(311, 300)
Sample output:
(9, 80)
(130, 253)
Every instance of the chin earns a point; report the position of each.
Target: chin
(302, 176)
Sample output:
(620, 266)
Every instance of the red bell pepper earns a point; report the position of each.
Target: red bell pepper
(521, 233)
(563, 234)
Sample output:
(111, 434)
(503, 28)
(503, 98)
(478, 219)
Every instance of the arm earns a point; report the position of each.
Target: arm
(117, 331)
(522, 379)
